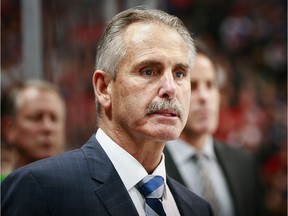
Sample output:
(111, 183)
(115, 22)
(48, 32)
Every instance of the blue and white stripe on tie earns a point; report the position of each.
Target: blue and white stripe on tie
(152, 188)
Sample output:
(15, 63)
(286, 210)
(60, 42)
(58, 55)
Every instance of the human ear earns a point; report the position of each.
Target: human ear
(101, 84)
(8, 129)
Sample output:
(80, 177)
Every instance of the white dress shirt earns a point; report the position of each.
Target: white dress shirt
(131, 172)
(182, 153)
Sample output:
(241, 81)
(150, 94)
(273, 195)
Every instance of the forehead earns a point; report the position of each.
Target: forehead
(138, 31)
(203, 68)
(153, 39)
(34, 97)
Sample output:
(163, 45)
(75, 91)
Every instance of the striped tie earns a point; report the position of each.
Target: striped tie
(208, 191)
(152, 188)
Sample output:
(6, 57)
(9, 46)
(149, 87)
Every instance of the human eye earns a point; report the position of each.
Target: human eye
(211, 84)
(193, 86)
(35, 117)
(54, 117)
(147, 71)
(179, 74)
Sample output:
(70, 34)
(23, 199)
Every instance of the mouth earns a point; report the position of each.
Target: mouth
(165, 108)
(204, 111)
(47, 145)
(168, 113)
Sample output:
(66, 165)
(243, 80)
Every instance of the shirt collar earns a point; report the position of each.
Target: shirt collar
(208, 149)
(128, 168)
(183, 151)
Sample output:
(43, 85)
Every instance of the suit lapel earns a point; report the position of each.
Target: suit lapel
(115, 197)
(109, 187)
(171, 167)
(184, 204)
(230, 171)
(224, 157)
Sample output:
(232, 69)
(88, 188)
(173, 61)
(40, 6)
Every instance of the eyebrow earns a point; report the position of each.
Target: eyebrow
(184, 66)
(144, 63)
(157, 63)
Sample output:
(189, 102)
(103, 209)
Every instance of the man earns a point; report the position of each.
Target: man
(142, 90)
(33, 121)
(232, 173)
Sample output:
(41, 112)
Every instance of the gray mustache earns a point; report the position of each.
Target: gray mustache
(164, 105)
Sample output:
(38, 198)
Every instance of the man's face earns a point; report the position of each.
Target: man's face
(205, 98)
(39, 126)
(155, 69)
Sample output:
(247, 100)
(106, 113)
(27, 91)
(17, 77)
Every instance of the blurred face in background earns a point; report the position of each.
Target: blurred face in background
(38, 129)
(205, 98)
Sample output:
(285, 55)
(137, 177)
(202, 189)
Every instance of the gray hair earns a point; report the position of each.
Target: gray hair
(111, 50)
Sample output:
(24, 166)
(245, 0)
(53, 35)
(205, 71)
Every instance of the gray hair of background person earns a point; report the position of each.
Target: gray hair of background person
(10, 102)
(112, 50)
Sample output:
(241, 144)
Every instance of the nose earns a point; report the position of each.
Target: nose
(203, 93)
(47, 123)
(168, 88)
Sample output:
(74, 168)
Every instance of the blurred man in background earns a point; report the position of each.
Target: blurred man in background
(33, 122)
(225, 177)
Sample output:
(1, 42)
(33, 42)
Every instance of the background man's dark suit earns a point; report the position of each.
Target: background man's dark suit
(241, 174)
(80, 182)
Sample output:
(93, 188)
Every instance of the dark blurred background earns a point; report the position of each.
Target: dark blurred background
(56, 40)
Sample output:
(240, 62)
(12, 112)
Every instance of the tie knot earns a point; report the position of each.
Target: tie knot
(151, 186)
(200, 156)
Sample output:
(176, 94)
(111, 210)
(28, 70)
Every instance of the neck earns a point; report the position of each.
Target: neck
(20, 161)
(147, 152)
(195, 140)
(149, 155)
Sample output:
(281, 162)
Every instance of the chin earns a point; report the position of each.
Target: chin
(204, 130)
(167, 135)
(162, 132)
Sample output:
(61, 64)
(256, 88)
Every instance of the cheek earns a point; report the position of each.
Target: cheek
(122, 88)
(130, 94)
(192, 123)
(27, 128)
(28, 132)
(25, 136)
(193, 103)
(22, 123)
(186, 94)
(215, 100)
(57, 128)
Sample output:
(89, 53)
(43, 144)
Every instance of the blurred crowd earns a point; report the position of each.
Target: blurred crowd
(249, 37)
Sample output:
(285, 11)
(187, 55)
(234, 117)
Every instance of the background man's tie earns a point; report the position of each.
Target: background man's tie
(152, 188)
(208, 191)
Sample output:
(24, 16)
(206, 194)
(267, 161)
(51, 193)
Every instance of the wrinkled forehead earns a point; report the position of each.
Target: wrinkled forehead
(140, 30)
(142, 37)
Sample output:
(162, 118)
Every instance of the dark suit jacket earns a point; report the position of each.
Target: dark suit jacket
(80, 182)
(241, 173)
